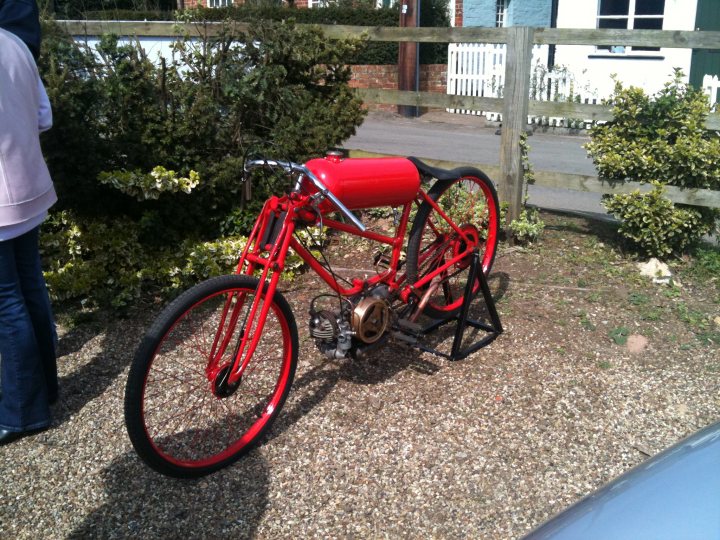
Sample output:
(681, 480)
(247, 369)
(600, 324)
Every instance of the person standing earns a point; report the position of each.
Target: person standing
(28, 369)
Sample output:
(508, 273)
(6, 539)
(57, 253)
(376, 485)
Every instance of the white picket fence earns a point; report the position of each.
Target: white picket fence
(478, 69)
(711, 85)
(559, 84)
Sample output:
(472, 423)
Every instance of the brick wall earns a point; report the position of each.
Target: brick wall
(458, 13)
(433, 78)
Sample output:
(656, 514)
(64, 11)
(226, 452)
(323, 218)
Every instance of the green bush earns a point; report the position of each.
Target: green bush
(659, 138)
(360, 15)
(528, 227)
(653, 225)
(147, 158)
(123, 115)
(107, 264)
(433, 13)
(98, 262)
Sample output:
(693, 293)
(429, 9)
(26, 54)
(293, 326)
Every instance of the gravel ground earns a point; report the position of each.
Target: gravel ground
(406, 444)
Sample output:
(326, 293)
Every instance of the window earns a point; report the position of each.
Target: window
(501, 8)
(219, 3)
(631, 15)
(317, 3)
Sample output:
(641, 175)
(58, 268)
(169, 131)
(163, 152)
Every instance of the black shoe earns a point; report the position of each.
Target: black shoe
(6, 437)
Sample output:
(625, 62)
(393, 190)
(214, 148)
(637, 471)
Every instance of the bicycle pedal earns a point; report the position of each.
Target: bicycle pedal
(404, 338)
(409, 327)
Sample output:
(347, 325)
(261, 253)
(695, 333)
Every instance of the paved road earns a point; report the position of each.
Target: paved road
(462, 138)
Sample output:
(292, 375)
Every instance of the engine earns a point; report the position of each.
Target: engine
(342, 327)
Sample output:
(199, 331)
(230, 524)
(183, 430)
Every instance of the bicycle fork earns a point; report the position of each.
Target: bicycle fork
(265, 251)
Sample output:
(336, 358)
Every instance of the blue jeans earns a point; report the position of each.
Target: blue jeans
(28, 368)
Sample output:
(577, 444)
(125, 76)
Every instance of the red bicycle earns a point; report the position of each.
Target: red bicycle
(214, 369)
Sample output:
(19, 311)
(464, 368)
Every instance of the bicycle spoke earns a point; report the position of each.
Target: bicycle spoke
(470, 206)
(195, 423)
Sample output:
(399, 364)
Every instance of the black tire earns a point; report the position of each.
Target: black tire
(182, 422)
(472, 203)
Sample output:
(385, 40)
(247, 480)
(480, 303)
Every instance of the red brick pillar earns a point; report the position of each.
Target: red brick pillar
(458, 13)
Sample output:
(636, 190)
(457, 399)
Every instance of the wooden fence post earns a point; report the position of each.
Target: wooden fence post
(518, 59)
(408, 55)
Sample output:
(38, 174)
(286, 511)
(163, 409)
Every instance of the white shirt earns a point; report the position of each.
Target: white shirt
(45, 121)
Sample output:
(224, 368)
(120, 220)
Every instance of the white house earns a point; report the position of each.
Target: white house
(585, 72)
(648, 68)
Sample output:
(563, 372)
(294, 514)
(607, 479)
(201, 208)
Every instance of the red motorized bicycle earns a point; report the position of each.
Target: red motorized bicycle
(215, 368)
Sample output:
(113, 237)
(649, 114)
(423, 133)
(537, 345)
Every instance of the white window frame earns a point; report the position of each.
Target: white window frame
(219, 3)
(630, 18)
(501, 12)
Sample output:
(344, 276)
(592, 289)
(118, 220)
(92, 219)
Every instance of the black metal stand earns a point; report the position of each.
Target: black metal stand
(494, 329)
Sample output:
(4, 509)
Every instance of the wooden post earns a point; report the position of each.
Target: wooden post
(518, 59)
(408, 55)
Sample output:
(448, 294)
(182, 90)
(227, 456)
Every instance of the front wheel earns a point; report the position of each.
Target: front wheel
(184, 419)
(471, 202)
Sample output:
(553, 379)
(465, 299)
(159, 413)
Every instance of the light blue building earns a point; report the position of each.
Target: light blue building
(498, 13)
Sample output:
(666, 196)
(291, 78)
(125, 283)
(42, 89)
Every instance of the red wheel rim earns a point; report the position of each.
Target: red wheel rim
(202, 384)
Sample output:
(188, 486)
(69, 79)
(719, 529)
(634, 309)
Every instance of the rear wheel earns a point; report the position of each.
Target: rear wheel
(471, 203)
(186, 420)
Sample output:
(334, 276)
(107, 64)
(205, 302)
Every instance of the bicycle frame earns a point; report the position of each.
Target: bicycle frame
(214, 370)
(266, 251)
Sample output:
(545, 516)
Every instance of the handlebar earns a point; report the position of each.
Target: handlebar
(291, 167)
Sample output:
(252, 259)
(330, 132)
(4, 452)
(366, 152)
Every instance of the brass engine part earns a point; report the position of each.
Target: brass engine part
(370, 319)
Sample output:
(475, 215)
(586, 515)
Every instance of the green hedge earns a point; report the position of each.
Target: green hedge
(659, 139)
(358, 16)
(147, 159)
(432, 13)
(119, 15)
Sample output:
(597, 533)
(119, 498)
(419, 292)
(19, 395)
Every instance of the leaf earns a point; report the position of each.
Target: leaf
(620, 335)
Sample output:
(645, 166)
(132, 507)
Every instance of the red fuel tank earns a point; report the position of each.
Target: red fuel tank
(368, 182)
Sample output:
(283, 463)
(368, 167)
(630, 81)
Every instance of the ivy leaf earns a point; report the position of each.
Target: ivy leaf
(620, 335)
